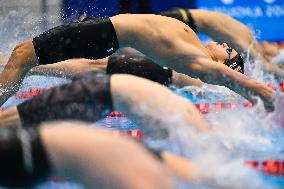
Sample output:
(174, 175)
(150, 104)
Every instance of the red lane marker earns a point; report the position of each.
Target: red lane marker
(252, 163)
(137, 134)
(281, 85)
(37, 91)
(203, 107)
(224, 105)
(271, 167)
(30, 93)
(208, 107)
(219, 105)
(115, 114)
(281, 44)
(247, 104)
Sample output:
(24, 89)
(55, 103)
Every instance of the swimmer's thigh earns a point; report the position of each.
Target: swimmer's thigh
(151, 104)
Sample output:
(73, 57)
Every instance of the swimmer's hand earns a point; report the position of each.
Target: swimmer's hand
(267, 95)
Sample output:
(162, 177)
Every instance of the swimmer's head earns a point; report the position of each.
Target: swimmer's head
(224, 54)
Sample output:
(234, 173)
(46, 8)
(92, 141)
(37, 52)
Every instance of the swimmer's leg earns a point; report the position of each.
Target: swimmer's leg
(22, 59)
(10, 118)
(152, 105)
(70, 68)
(93, 39)
(94, 167)
(31, 155)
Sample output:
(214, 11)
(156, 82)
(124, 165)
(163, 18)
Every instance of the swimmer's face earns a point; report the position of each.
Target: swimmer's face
(221, 52)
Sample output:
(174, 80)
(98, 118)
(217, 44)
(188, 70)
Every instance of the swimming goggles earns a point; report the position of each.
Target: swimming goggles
(229, 52)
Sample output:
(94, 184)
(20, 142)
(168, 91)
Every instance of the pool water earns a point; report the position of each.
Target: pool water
(238, 134)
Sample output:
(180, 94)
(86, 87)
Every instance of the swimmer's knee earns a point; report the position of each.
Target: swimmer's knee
(24, 44)
(23, 55)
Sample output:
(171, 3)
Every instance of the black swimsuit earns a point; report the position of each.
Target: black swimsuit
(139, 65)
(94, 38)
(88, 99)
(23, 159)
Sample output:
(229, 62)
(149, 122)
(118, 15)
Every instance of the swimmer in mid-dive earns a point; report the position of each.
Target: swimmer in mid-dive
(202, 21)
(92, 96)
(180, 50)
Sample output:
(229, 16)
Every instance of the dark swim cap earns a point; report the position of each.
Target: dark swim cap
(236, 63)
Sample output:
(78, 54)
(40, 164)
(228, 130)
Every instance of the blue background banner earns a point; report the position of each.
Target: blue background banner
(265, 17)
(74, 8)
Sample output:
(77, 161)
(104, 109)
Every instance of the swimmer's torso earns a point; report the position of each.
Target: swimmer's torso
(159, 42)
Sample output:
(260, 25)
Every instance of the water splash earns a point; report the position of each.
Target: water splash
(237, 135)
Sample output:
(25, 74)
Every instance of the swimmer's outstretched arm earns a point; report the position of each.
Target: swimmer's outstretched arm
(220, 74)
(182, 80)
(98, 160)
